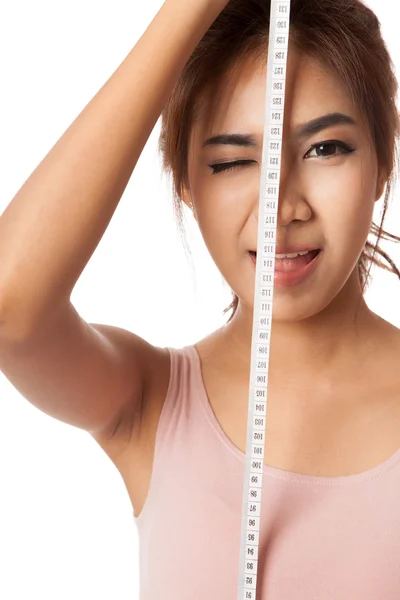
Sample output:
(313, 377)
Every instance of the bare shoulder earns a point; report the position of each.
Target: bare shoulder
(384, 368)
(395, 355)
(391, 342)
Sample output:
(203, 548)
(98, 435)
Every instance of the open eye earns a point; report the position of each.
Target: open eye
(219, 167)
(327, 149)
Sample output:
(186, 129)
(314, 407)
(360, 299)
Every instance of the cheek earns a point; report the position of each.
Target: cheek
(222, 207)
(217, 223)
(345, 206)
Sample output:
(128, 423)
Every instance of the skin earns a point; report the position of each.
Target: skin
(325, 202)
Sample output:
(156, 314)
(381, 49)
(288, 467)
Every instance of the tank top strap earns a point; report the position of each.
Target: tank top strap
(181, 414)
(180, 400)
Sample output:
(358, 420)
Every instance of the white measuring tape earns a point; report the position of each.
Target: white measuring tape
(263, 297)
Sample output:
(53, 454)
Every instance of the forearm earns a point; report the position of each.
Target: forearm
(52, 226)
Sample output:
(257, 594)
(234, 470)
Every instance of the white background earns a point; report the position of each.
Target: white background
(66, 523)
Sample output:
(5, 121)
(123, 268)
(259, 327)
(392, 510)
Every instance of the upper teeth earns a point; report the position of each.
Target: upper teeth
(291, 255)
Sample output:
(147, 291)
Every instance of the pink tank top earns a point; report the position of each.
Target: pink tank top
(322, 538)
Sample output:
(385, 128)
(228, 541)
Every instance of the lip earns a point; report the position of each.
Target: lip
(291, 278)
(293, 249)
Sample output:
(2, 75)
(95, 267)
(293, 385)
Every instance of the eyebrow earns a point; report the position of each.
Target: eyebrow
(302, 131)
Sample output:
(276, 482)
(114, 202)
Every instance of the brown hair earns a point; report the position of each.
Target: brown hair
(346, 33)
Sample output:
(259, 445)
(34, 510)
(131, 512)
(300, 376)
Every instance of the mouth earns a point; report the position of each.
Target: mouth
(294, 269)
(291, 263)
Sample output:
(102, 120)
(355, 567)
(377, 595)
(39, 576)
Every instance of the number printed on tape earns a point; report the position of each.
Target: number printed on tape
(263, 298)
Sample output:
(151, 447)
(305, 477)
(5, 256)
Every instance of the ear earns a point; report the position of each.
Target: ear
(186, 197)
(380, 183)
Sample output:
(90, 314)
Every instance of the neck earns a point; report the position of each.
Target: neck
(336, 340)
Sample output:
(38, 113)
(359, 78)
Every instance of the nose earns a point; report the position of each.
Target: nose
(293, 204)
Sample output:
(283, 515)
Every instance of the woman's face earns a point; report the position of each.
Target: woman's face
(327, 192)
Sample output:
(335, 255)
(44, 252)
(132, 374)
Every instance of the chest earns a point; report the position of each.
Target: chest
(346, 431)
(326, 542)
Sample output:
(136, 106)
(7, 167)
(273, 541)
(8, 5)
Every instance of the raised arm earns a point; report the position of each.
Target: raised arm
(92, 376)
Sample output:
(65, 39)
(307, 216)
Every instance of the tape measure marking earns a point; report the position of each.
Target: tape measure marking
(263, 297)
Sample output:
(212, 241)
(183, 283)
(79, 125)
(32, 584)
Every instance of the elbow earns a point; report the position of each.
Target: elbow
(12, 330)
(5, 334)
(21, 324)
(2, 317)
